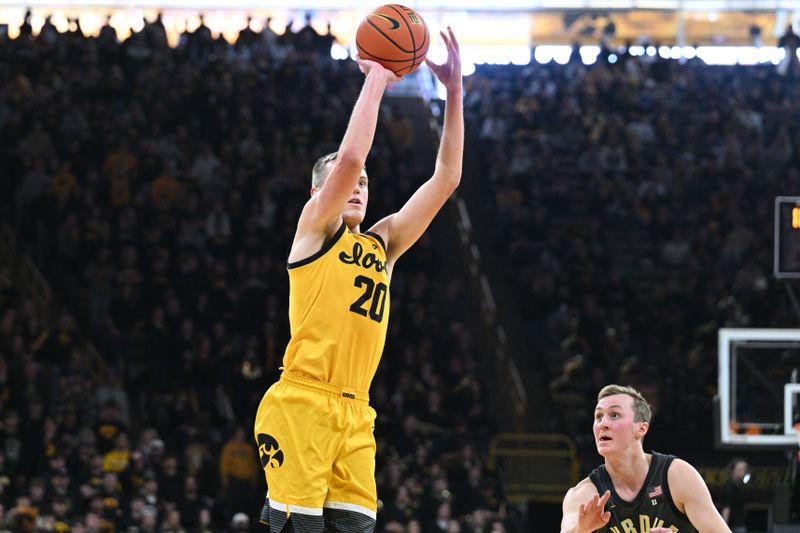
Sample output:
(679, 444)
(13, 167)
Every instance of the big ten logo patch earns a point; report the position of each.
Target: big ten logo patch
(269, 451)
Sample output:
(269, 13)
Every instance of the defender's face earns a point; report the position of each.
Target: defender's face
(614, 426)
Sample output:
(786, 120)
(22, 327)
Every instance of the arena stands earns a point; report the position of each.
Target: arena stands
(632, 201)
(157, 190)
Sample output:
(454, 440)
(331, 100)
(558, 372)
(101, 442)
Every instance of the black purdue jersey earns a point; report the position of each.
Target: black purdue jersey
(652, 507)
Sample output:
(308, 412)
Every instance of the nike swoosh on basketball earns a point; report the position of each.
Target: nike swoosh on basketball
(395, 24)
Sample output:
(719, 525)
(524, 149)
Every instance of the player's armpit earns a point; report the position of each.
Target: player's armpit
(310, 236)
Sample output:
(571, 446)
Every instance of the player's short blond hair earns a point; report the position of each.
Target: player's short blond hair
(322, 168)
(641, 409)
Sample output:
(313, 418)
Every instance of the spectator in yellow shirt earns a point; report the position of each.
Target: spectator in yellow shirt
(118, 459)
(239, 469)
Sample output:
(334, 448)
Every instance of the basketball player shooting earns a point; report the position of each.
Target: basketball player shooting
(314, 427)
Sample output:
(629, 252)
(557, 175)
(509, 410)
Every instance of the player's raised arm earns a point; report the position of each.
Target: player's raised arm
(325, 207)
(402, 229)
(584, 509)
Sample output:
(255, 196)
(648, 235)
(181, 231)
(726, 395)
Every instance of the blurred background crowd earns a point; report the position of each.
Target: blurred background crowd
(633, 202)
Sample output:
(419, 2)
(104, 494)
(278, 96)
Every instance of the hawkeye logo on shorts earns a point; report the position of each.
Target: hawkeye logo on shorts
(269, 451)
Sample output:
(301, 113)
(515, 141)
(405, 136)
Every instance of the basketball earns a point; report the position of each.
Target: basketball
(394, 36)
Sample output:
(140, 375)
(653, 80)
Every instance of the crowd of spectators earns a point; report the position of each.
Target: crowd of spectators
(633, 202)
(158, 188)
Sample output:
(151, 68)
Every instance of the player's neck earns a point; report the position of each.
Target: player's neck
(629, 469)
(352, 223)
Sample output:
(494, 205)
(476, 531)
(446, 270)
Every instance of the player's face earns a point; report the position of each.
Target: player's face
(614, 426)
(356, 207)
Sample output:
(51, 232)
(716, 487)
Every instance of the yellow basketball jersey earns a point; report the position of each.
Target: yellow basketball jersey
(339, 311)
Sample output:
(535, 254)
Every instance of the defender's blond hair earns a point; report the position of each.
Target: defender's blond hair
(641, 409)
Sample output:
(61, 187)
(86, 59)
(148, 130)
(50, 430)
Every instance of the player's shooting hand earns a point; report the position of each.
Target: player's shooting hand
(366, 66)
(592, 515)
(449, 73)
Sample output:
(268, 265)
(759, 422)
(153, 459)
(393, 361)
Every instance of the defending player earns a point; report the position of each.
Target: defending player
(641, 492)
